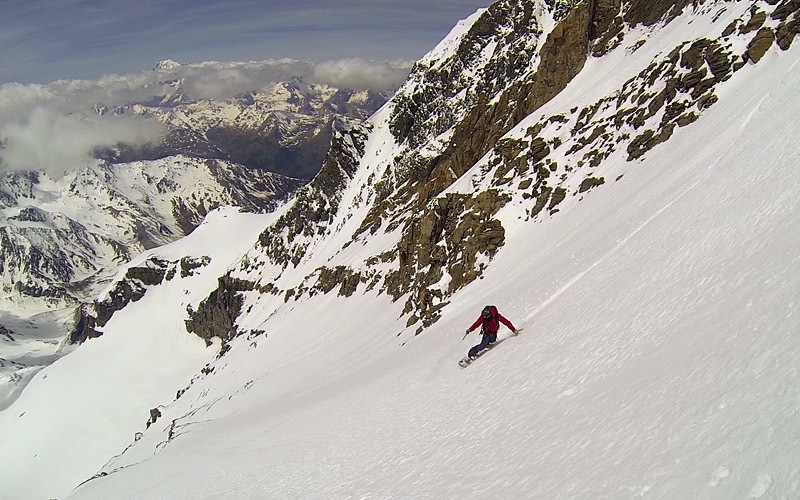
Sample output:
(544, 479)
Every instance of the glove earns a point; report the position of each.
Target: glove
(467, 333)
(516, 332)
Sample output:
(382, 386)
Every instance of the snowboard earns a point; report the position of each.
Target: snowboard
(466, 361)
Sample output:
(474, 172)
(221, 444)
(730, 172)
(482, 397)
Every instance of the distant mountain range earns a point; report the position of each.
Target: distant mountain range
(283, 128)
(250, 150)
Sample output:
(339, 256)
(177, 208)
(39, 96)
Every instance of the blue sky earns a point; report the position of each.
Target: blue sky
(46, 40)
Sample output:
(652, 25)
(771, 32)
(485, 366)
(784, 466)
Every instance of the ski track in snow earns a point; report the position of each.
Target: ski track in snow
(599, 261)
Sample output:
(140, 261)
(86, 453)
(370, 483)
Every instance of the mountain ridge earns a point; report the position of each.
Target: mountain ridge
(635, 120)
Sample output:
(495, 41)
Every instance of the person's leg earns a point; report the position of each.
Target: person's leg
(486, 341)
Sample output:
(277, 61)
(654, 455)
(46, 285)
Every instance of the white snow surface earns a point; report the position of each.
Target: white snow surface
(659, 356)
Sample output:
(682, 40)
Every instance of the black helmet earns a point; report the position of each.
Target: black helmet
(487, 312)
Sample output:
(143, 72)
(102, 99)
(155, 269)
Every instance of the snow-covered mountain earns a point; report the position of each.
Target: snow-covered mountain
(618, 177)
(58, 233)
(64, 236)
(62, 240)
(284, 127)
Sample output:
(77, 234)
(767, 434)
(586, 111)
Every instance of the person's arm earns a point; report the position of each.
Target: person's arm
(475, 325)
(506, 322)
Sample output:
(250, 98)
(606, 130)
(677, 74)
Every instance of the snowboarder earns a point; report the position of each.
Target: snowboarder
(489, 322)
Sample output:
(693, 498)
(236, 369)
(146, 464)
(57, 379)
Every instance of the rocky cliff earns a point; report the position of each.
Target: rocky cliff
(411, 204)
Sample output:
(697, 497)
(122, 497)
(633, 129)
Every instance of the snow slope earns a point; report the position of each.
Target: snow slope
(98, 391)
(658, 360)
(658, 357)
(61, 239)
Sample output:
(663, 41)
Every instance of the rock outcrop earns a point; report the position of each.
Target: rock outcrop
(130, 288)
(216, 316)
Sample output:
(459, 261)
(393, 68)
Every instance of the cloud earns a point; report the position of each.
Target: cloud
(55, 127)
(57, 143)
(359, 74)
(215, 80)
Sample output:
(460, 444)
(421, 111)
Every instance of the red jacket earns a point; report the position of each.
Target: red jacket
(492, 324)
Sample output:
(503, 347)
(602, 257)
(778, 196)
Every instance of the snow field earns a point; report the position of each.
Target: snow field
(658, 358)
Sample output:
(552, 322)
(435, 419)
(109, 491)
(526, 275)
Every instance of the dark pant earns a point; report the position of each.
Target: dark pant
(486, 341)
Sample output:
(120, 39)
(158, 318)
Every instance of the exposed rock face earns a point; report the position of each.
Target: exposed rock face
(316, 204)
(216, 316)
(341, 278)
(649, 12)
(450, 238)
(456, 112)
(760, 44)
(523, 78)
(130, 289)
(7, 333)
(155, 414)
